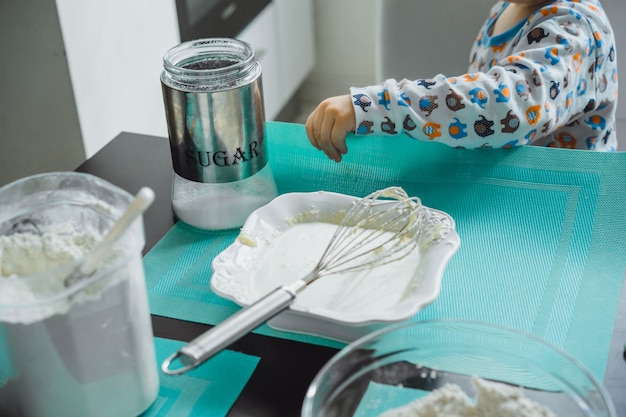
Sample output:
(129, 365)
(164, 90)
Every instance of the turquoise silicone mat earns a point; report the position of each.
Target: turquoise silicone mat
(542, 234)
(395, 396)
(209, 390)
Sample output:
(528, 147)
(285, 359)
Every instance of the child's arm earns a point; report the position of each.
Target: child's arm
(542, 81)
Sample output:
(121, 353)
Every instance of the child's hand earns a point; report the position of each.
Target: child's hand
(329, 124)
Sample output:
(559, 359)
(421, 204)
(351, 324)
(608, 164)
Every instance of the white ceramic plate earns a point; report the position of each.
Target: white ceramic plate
(236, 270)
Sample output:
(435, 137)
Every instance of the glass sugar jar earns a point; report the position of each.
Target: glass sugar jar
(213, 96)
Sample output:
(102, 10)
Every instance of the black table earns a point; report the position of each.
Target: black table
(278, 385)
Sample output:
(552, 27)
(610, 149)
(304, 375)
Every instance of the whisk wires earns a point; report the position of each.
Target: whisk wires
(378, 229)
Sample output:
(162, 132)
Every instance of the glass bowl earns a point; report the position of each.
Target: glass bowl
(397, 365)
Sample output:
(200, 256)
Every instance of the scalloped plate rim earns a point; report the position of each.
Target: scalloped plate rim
(262, 224)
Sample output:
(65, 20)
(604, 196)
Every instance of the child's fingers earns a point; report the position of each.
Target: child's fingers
(338, 137)
(326, 138)
(314, 127)
(311, 130)
(319, 126)
(328, 125)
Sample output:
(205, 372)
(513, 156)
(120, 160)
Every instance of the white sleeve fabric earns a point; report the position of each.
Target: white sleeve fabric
(549, 81)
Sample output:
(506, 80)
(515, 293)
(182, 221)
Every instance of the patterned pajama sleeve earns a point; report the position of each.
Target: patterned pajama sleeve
(549, 81)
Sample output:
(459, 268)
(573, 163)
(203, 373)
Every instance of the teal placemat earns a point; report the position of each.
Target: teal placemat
(395, 396)
(209, 390)
(542, 234)
(6, 365)
(178, 270)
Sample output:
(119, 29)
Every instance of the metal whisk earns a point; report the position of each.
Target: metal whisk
(378, 229)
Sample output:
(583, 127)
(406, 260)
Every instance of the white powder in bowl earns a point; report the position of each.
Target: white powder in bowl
(25, 254)
(492, 400)
(34, 268)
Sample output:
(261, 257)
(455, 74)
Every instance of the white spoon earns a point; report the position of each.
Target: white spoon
(143, 200)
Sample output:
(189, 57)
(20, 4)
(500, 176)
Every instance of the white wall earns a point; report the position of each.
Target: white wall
(423, 39)
(345, 35)
(115, 56)
(349, 33)
(282, 36)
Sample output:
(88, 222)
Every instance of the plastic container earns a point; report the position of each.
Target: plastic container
(71, 348)
(213, 98)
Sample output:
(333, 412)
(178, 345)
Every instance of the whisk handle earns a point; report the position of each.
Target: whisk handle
(232, 329)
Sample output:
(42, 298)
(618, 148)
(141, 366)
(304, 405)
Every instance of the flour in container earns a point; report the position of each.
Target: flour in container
(24, 254)
(493, 399)
(24, 257)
